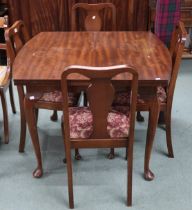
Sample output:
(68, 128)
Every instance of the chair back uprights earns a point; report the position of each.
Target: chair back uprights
(16, 36)
(176, 49)
(100, 93)
(93, 17)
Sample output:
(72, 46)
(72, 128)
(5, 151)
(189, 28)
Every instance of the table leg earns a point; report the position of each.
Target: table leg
(32, 125)
(152, 125)
(22, 118)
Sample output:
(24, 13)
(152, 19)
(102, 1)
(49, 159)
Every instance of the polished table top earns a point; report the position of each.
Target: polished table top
(45, 56)
(40, 63)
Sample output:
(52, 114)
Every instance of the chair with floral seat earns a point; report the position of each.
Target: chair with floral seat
(16, 37)
(91, 20)
(99, 125)
(5, 83)
(165, 95)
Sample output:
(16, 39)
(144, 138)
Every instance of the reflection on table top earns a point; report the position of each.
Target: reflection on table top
(46, 55)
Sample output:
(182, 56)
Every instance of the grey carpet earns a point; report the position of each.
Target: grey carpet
(99, 183)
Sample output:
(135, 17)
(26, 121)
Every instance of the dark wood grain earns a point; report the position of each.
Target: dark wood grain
(48, 53)
(55, 15)
(94, 17)
(42, 60)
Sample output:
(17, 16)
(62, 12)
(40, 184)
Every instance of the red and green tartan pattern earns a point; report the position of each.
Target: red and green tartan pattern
(167, 17)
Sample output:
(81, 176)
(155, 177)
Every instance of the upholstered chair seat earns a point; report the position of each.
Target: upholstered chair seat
(4, 75)
(123, 98)
(81, 123)
(56, 97)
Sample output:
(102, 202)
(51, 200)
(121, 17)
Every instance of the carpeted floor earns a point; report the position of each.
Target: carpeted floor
(99, 183)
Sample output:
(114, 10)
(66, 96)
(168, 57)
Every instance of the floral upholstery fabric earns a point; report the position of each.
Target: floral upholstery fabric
(81, 123)
(123, 109)
(123, 98)
(3, 74)
(161, 94)
(56, 97)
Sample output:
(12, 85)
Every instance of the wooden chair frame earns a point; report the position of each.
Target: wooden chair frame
(93, 20)
(16, 36)
(6, 83)
(176, 50)
(100, 87)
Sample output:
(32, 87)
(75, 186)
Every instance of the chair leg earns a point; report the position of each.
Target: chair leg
(37, 114)
(12, 97)
(31, 120)
(22, 118)
(85, 102)
(69, 174)
(5, 117)
(54, 116)
(139, 117)
(126, 153)
(129, 173)
(64, 160)
(111, 154)
(77, 155)
(152, 125)
(168, 134)
(161, 119)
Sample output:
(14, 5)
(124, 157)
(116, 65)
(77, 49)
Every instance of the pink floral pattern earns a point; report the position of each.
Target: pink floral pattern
(118, 124)
(123, 109)
(81, 123)
(123, 98)
(161, 94)
(56, 97)
(4, 71)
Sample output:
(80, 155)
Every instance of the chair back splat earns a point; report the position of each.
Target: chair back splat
(95, 17)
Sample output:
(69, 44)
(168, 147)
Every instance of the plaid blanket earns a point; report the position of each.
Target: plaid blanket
(167, 16)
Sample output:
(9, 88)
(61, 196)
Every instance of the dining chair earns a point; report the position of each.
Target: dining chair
(165, 95)
(93, 17)
(5, 83)
(98, 125)
(16, 36)
(92, 22)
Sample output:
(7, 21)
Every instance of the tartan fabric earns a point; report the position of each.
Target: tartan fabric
(167, 16)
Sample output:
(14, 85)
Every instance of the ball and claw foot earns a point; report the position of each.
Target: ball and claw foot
(171, 155)
(149, 175)
(111, 156)
(37, 173)
(78, 156)
(140, 118)
(54, 116)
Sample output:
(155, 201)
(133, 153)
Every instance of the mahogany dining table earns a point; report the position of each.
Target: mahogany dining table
(40, 63)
